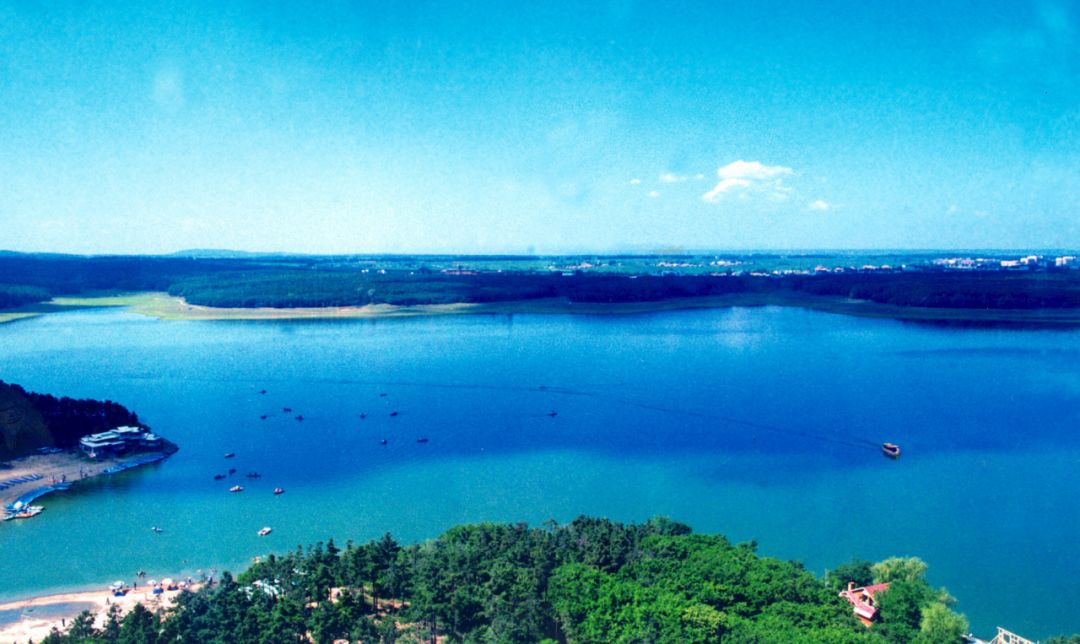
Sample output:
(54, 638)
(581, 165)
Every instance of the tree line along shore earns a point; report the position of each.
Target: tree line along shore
(297, 283)
(592, 580)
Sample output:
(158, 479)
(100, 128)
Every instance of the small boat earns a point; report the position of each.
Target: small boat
(286, 409)
(263, 417)
(278, 490)
(28, 511)
(254, 475)
(265, 531)
(382, 442)
(300, 418)
(232, 470)
(382, 395)
(421, 440)
(892, 450)
(393, 413)
(236, 488)
(262, 391)
(155, 530)
(230, 454)
(553, 413)
(218, 477)
(363, 416)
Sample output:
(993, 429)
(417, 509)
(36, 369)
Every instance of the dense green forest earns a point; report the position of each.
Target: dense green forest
(592, 580)
(69, 419)
(291, 282)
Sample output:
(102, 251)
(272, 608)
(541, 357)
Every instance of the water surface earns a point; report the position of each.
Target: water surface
(645, 409)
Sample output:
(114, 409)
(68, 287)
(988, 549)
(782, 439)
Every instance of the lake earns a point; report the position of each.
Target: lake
(760, 424)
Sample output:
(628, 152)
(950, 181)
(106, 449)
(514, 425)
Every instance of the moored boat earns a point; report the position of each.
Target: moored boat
(892, 450)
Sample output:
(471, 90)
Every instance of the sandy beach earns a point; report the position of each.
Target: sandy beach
(68, 466)
(33, 628)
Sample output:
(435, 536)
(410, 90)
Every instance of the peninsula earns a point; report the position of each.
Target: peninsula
(49, 444)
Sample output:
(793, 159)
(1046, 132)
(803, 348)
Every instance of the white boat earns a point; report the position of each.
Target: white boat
(236, 488)
(265, 531)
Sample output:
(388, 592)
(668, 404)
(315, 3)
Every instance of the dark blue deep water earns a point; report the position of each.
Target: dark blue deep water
(647, 409)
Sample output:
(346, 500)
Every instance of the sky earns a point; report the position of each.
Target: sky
(547, 127)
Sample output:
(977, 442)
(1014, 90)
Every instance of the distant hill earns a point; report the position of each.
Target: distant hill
(30, 420)
(224, 253)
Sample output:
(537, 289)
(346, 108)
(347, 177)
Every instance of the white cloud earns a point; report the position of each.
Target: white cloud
(819, 204)
(750, 175)
(671, 177)
(654, 194)
(635, 182)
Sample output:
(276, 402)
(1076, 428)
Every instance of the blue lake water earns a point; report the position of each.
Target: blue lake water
(984, 492)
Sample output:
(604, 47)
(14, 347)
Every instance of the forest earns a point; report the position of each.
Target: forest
(307, 281)
(69, 419)
(592, 580)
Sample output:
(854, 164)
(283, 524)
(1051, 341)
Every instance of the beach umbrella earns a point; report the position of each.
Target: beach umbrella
(153, 582)
(117, 584)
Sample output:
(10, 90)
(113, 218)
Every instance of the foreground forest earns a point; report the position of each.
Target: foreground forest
(592, 580)
(293, 282)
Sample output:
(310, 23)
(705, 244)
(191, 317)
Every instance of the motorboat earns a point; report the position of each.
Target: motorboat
(278, 490)
(892, 450)
(236, 488)
(265, 531)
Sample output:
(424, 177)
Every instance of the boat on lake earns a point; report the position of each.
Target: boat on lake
(892, 450)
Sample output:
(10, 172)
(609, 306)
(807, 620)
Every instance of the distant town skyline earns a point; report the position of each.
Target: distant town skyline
(538, 128)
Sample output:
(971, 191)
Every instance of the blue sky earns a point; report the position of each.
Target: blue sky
(550, 127)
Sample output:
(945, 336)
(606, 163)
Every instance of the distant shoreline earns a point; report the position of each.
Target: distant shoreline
(166, 307)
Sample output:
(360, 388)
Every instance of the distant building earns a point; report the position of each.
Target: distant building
(119, 441)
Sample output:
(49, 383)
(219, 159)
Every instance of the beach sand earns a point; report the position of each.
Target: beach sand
(69, 465)
(30, 628)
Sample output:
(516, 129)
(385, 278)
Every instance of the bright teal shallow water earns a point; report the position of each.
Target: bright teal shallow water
(985, 491)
